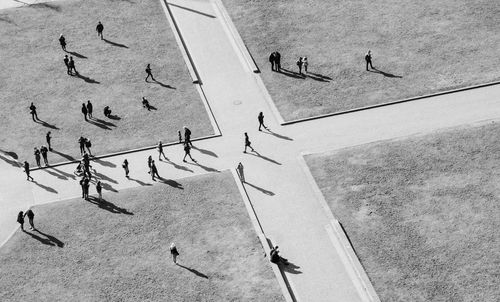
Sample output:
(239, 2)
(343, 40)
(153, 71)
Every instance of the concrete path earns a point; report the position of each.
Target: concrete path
(279, 189)
(18, 3)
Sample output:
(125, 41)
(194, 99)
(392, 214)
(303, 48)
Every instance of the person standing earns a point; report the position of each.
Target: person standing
(368, 59)
(241, 172)
(48, 138)
(34, 116)
(154, 171)
(160, 151)
(27, 170)
(305, 64)
(31, 216)
(278, 61)
(82, 185)
(187, 136)
(150, 160)
(90, 108)
(180, 136)
(66, 62)
(272, 60)
(88, 145)
(86, 186)
(149, 74)
(62, 41)
(125, 167)
(187, 151)
(37, 157)
(261, 121)
(299, 64)
(247, 144)
(99, 28)
(71, 65)
(81, 142)
(84, 111)
(20, 219)
(98, 188)
(174, 252)
(44, 152)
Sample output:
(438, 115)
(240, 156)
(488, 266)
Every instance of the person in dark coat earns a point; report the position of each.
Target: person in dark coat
(261, 121)
(187, 152)
(150, 160)
(160, 151)
(44, 152)
(98, 188)
(62, 41)
(20, 219)
(48, 138)
(368, 59)
(81, 142)
(88, 145)
(90, 108)
(66, 62)
(99, 28)
(154, 170)
(84, 111)
(272, 60)
(247, 144)
(34, 116)
(27, 170)
(149, 74)
(125, 167)
(37, 157)
(299, 64)
(278, 61)
(82, 184)
(107, 111)
(31, 216)
(86, 186)
(187, 136)
(174, 252)
(71, 65)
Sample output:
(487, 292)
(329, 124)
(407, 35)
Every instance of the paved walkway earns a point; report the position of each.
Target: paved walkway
(278, 187)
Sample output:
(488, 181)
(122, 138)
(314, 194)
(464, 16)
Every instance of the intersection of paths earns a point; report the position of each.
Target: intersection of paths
(278, 188)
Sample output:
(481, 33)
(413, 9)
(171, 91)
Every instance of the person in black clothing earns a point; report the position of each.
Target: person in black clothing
(187, 151)
(107, 111)
(66, 62)
(31, 216)
(81, 142)
(20, 219)
(34, 116)
(48, 138)
(37, 157)
(187, 136)
(44, 151)
(99, 28)
(27, 170)
(84, 111)
(276, 258)
(150, 160)
(82, 184)
(98, 188)
(90, 108)
(125, 167)
(71, 65)
(154, 170)
(261, 121)
(368, 59)
(180, 136)
(145, 103)
(62, 41)
(277, 61)
(272, 60)
(174, 252)
(247, 144)
(88, 145)
(149, 74)
(299, 64)
(160, 151)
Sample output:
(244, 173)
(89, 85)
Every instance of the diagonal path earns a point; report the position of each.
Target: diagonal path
(285, 203)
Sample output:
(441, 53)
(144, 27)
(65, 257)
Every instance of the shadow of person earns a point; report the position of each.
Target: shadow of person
(178, 166)
(53, 239)
(260, 189)
(68, 157)
(68, 175)
(292, 74)
(87, 79)
(140, 182)
(102, 126)
(45, 124)
(151, 107)
(264, 157)
(204, 151)
(291, 268)
(104, 177)
(108, 206)
(163, 85)
(55, 174)
(319, 79)
(208, 169)
(171, 183)
(46, 188)
(192, 270)
(385, 74)
(319, 75)
(278, 135)
(115, 44)
(104, 162)
(77, 55)
(42, 240)
(114, 117)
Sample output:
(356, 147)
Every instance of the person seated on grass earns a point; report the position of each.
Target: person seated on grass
(145, 103)
(276, 258)
(107, 111)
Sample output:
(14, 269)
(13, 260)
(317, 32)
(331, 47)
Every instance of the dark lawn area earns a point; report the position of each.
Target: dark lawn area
(118, 249)
(419, 47)
(422, 213)
(112, 73)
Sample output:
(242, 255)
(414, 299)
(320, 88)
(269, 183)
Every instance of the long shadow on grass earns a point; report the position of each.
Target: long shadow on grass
(140, 182)
(7, 20)
(260, 189)
(204, 151)
(192, 10)
(208, 169)
(68, 157)
(77, 55)
(53, 239)
(45, 124)
(192, 270)
(163, 85)
(87, 79)
(278, 135)
(318, 75)
(264, 157)
(115, 44)
(172, 183)
(46, 188)
(100, 123)
(385, 74)
(291, 74)
(114, 117)
(42, 240)
(104, 162)
(319, 79)
(108, 206)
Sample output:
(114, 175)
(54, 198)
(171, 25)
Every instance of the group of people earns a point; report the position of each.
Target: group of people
(275, 60)
(31, 217)
(84, 143)
(87, 110)
(43, 152)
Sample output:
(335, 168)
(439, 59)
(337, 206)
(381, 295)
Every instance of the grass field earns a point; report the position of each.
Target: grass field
(419, 47)
(119, 250)
(112, 73)
(422, 213)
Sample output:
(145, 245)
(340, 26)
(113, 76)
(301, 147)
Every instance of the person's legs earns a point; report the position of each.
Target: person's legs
(371, 66)
(367, 65)
(31, 224)
(184, 159)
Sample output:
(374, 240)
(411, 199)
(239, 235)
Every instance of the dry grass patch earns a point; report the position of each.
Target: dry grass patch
(32, 70)
(432, 45)
(421, 213)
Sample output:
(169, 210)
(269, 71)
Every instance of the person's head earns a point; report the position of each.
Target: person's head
(159, 143)
(71, 57)
(35, 149)
(98, 183)
(305, 58)
(125, 161)
(48, 133)
(61, 36)
(88, 101)
(246, 134)
(65, 56)
(369, 51)
(172, 245)
(20, 214)
(99, 22)
(260, 113)
(83, 104)
(184, 127)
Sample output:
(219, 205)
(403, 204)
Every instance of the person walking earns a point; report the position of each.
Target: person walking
(160, 151)
(31, 216)
(187, 151)
(247, 144)
(149, 74)
(86, 187)
(99, 28)
(98, 188)
(261, 121)
(305, 63)
(125, 167)
(277, 61)
(368, 59)
(150, 160)
(33, 113)
(299, 64)
(154, 170)
(90, 108)
(20, 219)
(187, 136)
(62, 41)
(174, 252)
(145, 104)
(272, 60)
(81, 142)
(241, 173)
(84, 111)
(66, 62)
(27, 170)
(44, 152)
(88, 145)
(48, 138)
(82, 185)
(71, 65)
(37, 157)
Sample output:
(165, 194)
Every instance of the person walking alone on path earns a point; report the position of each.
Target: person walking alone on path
(150, 160)
(187, 152)
(98, 188)
(174, 252)
(84, 111)
(241, 172)
(277, 61)
(27, 170)
(154, 171)
(62, 41)
(44, 152)
(187, 136)
(34, 116)
(31, 216)
(71, 65)
(272, 60)
(90, 108)
(48, 138)
(299, 64)
(37, 157)
(125, 167)
(99, 28)
(160, 151)
(261, 121)
(247, 143)
(368, 59)
(66, 62)
(20, 219)
(149, 74)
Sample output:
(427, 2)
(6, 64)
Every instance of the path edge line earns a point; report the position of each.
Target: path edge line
(341, 242)
(283, 282)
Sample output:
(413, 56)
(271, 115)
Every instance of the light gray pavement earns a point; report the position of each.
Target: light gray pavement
(18, 3)
(285, 203)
